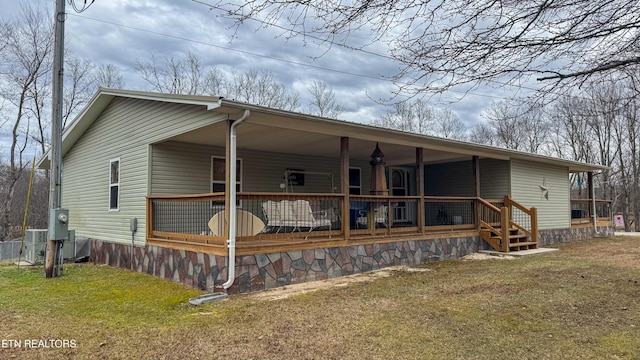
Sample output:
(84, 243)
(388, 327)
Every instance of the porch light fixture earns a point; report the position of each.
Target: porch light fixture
(378, 178)
(377, 156)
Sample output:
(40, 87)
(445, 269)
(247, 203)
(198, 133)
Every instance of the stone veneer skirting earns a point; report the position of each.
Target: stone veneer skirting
(559, 236)
(265, 271)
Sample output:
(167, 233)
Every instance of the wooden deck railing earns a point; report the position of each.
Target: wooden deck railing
(185, 218)
(383, 215)
(450, 213)
(582, 210)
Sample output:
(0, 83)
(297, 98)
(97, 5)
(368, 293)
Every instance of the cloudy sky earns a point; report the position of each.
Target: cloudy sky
(120, 31)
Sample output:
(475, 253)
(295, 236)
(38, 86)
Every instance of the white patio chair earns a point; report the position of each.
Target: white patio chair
(271, 210)
(379, 216)
(307, 218)
(287, 215)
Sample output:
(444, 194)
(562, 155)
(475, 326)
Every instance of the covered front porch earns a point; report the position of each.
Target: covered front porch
(300, 183)
(324, 197)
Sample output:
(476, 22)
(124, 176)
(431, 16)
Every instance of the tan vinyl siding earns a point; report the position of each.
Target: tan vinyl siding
(124, 130)
(494, 178)
(450, 179)
(526, 179)
(181, 168)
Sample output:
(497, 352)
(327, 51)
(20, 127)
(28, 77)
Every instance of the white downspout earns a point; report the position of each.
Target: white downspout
(231, 242)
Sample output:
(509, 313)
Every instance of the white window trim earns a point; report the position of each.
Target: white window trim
(360, 180)
(240, 178)
(114, 184)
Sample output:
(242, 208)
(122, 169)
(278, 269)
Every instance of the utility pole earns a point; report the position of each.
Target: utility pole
(54, 241)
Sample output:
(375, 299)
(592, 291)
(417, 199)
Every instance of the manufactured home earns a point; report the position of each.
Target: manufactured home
(228, 196)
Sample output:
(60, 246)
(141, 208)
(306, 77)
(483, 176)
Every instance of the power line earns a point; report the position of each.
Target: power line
(304, 34)
(354, 48)
(200, 42)
(322, 68)
(231, 49)
(82, 8)
(359, 49)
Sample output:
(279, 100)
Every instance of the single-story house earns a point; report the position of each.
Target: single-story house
(150, 178)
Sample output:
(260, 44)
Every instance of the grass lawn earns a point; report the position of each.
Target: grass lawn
(582, 302)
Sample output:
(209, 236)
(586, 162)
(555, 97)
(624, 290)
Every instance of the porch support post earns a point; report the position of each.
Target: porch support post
(475, 164)
(344, 186)
(534, 226)
(227, 181)
(420, 185)
(591, 193)
(504, 228)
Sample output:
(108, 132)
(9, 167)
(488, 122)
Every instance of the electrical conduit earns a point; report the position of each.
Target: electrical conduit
(231, 242)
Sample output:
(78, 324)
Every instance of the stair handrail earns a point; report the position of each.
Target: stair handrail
(533, 218)
(489, 205)
(508, 202)
(490, 217)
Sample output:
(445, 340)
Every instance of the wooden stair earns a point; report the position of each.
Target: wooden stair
(514, 237)
(517, 239)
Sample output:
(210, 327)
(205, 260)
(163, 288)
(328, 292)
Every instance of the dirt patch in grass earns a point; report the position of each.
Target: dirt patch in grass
(303, 288)
(482, 256)
(582, 302)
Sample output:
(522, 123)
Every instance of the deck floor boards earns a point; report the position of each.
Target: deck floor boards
(263, 246)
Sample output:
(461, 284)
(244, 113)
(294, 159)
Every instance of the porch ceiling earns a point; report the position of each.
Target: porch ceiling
(267, 138)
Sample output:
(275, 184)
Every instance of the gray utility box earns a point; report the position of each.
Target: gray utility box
(35, 244)
(69, 246)
(59, 223)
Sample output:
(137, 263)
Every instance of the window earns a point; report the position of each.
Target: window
(114, 184)
(218, 174)
(354, 181)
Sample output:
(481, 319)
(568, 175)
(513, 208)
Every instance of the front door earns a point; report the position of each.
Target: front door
(399, 186)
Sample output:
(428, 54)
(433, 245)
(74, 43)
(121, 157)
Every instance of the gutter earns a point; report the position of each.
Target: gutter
(231, 242)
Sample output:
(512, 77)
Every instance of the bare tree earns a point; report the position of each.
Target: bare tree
(449, 125)
(571, 133)
(413, 116)
(26, 55)
(482, 133)
(261, 88)
(517, 126)
(504, 124)
(185, 75)
(108, 75)
(596, 125)
(38, 209)
(418, 117)
(79, 86)
(215, 83)
(173, 76)
(447, 43)
(323, 101)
